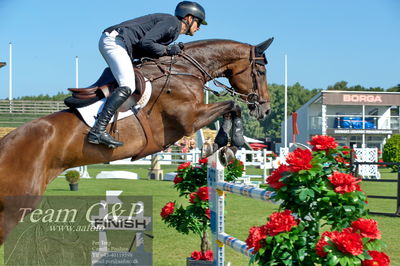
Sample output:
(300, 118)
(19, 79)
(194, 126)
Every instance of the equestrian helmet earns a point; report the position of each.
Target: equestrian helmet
(185, 8)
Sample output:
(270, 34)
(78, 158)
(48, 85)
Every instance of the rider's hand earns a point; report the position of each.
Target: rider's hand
(173, 49)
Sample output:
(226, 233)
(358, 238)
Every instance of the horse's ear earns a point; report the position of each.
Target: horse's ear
(260, 48)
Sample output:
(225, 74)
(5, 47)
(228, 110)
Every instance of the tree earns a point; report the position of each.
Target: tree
(297, 97)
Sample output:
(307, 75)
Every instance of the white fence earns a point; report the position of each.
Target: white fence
(30, 107)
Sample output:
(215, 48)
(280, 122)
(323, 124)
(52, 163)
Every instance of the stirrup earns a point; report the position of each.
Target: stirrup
(103, 138)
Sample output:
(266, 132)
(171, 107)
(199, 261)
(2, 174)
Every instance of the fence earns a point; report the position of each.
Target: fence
(397, 213)
(30, 107)
(218, 187)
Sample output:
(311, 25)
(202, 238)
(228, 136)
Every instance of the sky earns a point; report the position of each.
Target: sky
(357, 41)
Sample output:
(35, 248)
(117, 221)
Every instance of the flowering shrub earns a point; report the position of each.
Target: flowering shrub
(194, 217)
(316, 189)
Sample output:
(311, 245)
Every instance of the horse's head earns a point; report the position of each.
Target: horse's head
(248, 77)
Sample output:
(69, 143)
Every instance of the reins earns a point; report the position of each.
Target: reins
(251, 98)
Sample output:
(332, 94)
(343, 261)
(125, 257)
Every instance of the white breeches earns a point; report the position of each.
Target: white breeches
(114, 52)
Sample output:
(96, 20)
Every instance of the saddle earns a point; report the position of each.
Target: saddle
(103, 88)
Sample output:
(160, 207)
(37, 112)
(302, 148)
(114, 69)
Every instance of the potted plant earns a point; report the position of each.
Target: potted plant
(194, 216)
(317, 190)
(73, 176)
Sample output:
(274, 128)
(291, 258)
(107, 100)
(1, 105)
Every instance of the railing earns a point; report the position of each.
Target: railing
(356, 122)
(30, 107)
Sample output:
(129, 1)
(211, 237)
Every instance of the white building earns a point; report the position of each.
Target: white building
(352, 117)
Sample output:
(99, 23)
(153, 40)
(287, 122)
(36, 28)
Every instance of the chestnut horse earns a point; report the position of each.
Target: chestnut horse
(34, 154)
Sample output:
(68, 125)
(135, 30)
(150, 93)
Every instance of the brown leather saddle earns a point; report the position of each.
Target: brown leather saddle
(103, 88)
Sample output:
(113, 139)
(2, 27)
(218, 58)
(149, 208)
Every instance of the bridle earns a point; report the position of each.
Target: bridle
(252, 98)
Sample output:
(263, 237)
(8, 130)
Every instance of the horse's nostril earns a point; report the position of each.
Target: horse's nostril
(268, 112)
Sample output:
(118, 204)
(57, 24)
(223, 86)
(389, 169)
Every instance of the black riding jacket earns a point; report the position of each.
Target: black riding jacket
(148, 35)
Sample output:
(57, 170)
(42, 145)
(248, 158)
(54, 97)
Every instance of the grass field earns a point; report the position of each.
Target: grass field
(171, 248)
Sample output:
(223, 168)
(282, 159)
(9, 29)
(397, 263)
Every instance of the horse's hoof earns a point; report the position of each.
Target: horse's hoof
(208, 150)
(226, 155)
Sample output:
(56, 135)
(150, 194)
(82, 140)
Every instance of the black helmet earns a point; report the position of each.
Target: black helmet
(185, 8)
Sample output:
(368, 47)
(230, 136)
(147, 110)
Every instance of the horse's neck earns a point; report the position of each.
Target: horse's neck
(217, 58)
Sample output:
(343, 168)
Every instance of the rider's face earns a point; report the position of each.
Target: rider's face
(195, 25)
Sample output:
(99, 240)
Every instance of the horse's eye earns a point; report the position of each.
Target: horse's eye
(260, 72)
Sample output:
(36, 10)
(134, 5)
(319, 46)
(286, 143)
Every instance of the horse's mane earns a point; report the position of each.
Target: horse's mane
(209, 42)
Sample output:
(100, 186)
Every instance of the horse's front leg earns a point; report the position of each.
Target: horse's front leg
(208, 113)
(237, 139)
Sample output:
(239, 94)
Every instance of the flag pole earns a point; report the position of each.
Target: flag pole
(76, 72)
(286, 96)
(10, 97)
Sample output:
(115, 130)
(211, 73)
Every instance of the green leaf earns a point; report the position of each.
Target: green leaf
(333, 260)
(303, 195)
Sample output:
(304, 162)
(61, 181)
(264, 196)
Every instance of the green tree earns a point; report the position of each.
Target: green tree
(342, 86)
(60, 96)
(297, 97)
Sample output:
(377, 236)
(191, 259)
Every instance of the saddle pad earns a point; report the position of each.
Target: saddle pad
(90, 113)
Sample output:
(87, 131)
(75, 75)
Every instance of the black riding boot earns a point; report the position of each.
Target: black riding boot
(98, 133)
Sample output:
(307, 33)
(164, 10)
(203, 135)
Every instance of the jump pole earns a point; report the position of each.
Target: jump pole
(217, 189)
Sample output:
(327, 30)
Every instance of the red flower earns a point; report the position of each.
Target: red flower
(167, 209)
(192, 197)
(196, 255)
(323, 143)
(202, 193)
(208, 213)
(366, 228)
(322, 242)
(203, 161)
(280, 222)
(340, 159)
(346, 152)
(299, 159)
(208, 255)
(344, 183)
(256, 235)
(348, 243)
(378, 259)
(183, 166)
(177, 179)
(273, 179)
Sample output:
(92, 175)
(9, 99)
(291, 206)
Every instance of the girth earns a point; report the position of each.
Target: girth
(151, 145)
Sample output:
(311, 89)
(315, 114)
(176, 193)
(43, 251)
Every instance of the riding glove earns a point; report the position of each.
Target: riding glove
(174, 49)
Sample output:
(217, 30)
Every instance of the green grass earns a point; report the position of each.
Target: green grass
(16, 120)
(171, 248)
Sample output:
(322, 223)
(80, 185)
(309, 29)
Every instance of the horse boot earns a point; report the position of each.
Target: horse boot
(98, 133)
(238, 132)
(222, 137)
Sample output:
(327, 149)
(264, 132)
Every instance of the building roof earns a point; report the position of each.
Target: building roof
(2, 64)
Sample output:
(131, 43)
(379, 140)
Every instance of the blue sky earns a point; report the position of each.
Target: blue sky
(326, 41)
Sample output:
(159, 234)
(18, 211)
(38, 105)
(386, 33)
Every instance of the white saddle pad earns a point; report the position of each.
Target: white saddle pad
(90, 113)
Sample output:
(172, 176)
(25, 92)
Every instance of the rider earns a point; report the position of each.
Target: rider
(148, 35)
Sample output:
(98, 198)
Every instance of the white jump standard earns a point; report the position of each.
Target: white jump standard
(217, 188)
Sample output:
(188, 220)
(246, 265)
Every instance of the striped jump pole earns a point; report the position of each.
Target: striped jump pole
(217, 189)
